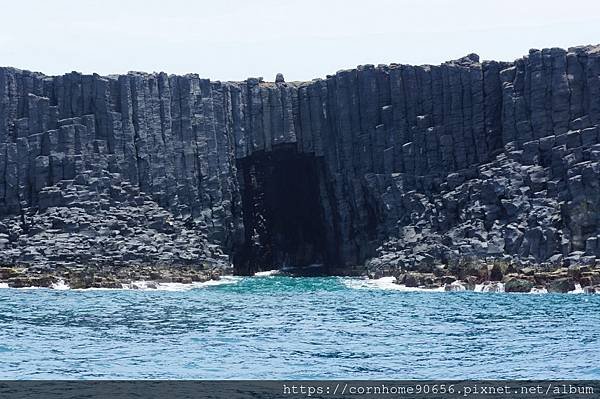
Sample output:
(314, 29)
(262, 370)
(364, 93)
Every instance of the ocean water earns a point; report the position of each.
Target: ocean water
(283, 328)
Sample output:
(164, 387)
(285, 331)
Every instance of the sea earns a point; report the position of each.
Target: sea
(275, 327)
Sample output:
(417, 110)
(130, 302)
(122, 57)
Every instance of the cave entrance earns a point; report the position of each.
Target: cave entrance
(284, 227)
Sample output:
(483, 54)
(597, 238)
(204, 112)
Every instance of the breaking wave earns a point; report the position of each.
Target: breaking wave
(383, 283)
(61, 285)
(489, 287)
(154, 286)
(267, 273)
(389, 283)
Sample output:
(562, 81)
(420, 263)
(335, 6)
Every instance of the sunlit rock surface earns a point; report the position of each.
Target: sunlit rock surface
(403, 167)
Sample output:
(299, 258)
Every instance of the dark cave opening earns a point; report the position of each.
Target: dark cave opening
(283, 219)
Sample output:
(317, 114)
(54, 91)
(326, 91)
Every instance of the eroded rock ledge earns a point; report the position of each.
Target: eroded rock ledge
(406, 168)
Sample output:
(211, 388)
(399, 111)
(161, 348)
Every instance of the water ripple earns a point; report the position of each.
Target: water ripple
(279, 327)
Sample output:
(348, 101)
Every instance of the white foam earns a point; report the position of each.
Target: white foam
(536, 290)
(225, 280)
(489, 287)
(266, 273)
(5, 285)
(142, 285)
(154, 286)
(60, 285)
(383, 283)
(577, 290)
(455, 286)
(139, 285)
(499, 288)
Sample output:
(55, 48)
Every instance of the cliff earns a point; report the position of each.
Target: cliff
(401, 166)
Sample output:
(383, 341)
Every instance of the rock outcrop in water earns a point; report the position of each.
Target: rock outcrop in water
(403, 167)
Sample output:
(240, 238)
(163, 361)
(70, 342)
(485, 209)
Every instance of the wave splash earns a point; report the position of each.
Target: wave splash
(383, 283)
(267, 273)
(61, 285)
(355, 283)
(154, 286)
(389, 283)
(490, 287)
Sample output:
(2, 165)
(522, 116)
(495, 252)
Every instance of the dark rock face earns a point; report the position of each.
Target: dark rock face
(411, 167)
(283, 221)
(562, 285)
(518, 285)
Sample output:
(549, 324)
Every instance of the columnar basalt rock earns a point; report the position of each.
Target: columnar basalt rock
(415, 166)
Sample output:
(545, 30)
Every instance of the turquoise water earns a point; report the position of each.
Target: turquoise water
(278, 327)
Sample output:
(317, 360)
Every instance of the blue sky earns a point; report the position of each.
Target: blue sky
(232, 40)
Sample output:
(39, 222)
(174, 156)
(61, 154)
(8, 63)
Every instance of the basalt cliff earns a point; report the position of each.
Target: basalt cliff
(392, 167)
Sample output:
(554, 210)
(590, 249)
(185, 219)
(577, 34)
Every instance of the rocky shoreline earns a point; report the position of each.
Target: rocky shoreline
(499, 276)
(106, 276)
(468, 276)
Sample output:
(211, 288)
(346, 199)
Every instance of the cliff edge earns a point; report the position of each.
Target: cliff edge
(402, 167)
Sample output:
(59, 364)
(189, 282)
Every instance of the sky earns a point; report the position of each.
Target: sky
(236, 39)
